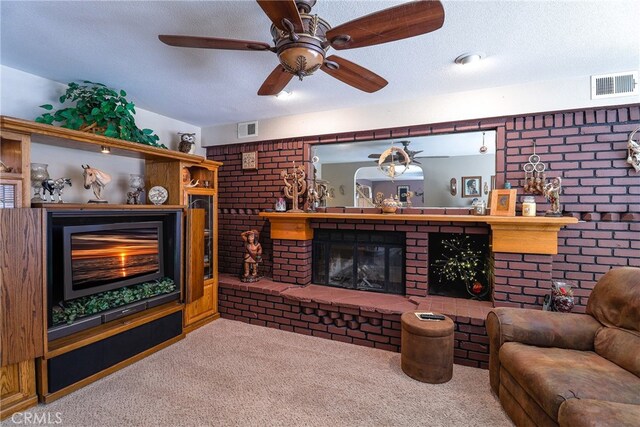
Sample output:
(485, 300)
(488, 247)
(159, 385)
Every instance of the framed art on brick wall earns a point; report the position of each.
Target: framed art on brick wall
(250, 160)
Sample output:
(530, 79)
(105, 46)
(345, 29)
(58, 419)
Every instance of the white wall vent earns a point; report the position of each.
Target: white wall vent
(247, 129)
(615, 84)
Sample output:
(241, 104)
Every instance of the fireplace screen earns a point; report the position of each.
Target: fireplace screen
(371, 261)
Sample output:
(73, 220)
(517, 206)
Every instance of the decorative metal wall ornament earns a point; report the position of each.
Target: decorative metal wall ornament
(633, 151)
(391, 159)
(453, 186)
(295, 185)
(534, 173)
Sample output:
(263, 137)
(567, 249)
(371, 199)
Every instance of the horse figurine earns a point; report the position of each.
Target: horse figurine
(97, 180)
(55, 187)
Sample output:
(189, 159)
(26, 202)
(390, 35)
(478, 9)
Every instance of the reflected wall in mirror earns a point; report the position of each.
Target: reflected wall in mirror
(436, 159)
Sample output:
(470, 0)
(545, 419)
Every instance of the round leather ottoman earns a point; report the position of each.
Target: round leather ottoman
(427, 348)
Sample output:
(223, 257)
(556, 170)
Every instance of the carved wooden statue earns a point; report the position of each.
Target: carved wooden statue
(295, 185)
(252, 256)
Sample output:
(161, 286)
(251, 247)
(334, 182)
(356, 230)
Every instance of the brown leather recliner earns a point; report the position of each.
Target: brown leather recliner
(566, 369)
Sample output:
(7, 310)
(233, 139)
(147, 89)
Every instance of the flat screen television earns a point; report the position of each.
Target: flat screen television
(102, 257)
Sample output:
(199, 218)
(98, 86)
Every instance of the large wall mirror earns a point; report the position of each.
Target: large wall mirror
(449, 170)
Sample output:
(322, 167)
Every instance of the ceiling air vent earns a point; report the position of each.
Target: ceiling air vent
(616, 84)
(247, 129)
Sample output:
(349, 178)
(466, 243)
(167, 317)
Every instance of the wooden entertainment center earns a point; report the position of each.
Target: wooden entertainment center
(30, 361)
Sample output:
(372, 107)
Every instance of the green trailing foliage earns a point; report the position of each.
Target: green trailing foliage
(68, 311)
(106, 109)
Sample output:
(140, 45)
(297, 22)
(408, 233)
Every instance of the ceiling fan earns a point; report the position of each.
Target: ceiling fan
(302, 41)
(394, 157)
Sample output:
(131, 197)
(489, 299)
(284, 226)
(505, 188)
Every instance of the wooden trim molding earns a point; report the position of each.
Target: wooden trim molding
(527, 235)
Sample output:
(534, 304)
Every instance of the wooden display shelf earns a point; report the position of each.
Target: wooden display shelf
(63, 137)
(511, 234)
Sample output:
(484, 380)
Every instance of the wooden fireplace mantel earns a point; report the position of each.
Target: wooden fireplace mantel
(515, 234)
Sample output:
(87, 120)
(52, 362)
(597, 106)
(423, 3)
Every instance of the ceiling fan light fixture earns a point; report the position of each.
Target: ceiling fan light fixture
(469, 58)
(284, 94)
(301, 60)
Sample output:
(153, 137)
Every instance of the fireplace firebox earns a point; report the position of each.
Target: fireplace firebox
(363, 260)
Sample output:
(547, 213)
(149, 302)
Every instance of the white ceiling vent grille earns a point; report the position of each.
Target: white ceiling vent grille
(247, 129)
(616, 84)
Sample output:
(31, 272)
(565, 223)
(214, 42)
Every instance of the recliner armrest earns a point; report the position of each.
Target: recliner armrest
(539, 328)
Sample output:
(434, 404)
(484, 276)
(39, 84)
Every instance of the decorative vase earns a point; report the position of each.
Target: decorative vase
(389, 206)
(561, 297)
(39, 173)
(563, 304)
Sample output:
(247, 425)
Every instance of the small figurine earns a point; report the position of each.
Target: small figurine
(252, 256)
(187, 140)
(136, 184)
(96, 180)
(55, 187)
(552, 193)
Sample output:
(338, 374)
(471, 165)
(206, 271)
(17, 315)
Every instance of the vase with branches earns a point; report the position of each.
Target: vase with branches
(461, 262)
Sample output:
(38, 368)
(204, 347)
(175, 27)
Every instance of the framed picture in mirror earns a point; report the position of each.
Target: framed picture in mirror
(403, 192)
(471, 186)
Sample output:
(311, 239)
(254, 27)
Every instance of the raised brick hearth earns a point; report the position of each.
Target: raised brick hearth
(357, 317)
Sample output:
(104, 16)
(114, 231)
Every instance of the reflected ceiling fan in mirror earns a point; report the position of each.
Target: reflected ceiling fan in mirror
(394, 157)
(302, 41)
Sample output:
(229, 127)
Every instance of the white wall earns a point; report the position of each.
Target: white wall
(492, 102)
(22, 93)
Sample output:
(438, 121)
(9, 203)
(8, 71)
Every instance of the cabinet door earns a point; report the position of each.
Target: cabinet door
(195, 254)
(21, 285)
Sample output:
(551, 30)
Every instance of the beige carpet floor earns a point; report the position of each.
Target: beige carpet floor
(232, 374)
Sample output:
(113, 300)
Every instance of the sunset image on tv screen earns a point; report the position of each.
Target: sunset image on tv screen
(108, 255)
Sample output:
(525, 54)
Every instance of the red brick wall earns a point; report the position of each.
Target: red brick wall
(587, 148)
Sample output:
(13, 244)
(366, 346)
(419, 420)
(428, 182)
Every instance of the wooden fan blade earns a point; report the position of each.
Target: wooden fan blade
(395, 23)
(282, 9)
(276, 81)
(354, 75)
(212, 43)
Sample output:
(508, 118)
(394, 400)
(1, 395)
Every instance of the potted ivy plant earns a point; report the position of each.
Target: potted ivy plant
(101, 110)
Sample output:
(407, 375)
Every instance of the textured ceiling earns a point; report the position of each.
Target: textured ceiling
(116, 43)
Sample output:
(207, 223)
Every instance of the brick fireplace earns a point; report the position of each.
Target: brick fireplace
(586, 147)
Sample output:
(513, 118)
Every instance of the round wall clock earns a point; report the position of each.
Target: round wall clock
(158, 195)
